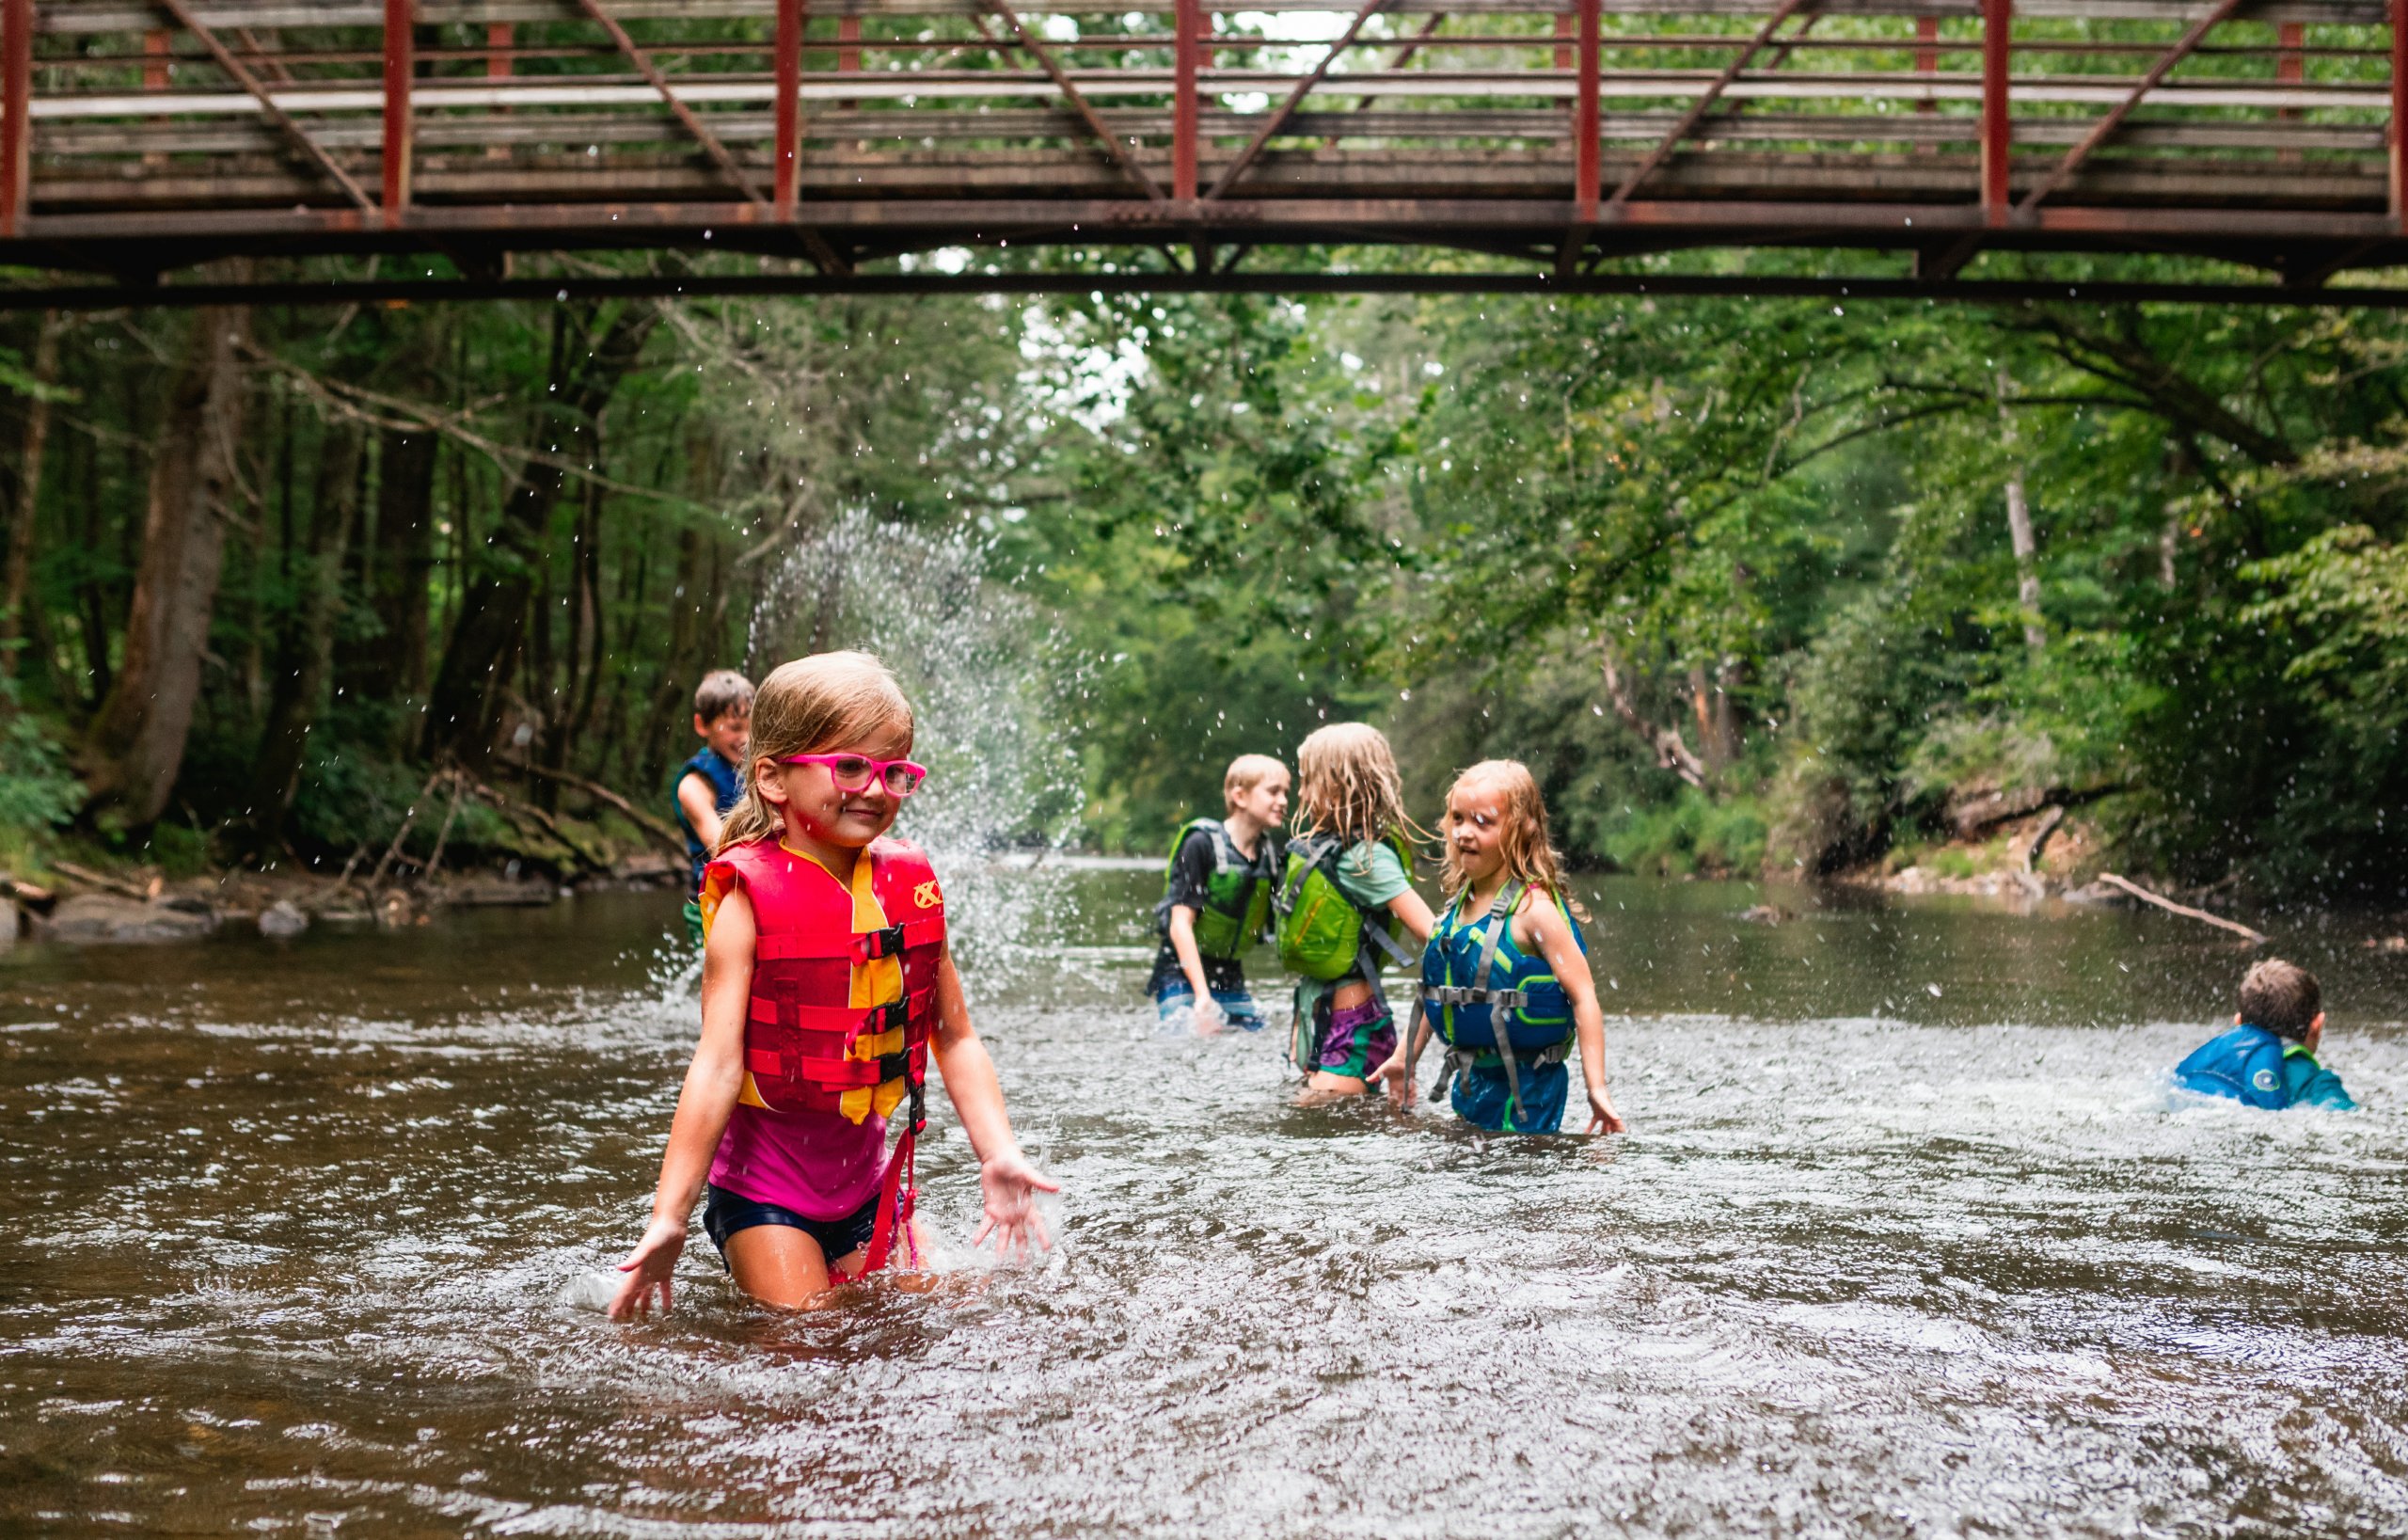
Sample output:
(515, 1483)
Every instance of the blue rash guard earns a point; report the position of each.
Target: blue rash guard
(2256, 1068)
(725, 785)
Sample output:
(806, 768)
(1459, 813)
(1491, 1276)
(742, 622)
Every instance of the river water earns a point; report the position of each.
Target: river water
(1906, 1239)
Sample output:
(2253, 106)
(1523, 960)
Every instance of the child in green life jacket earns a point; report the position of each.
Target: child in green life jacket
(1344, 898)
(2267, 1060)
(1217, 901)
(1505, 978)
(710, 785)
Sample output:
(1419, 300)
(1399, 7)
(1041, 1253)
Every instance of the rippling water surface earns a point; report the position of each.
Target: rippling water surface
(1906, 1239)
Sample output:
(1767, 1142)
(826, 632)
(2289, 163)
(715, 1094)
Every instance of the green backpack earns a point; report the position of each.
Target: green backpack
(1322, 934)
(1237, 902)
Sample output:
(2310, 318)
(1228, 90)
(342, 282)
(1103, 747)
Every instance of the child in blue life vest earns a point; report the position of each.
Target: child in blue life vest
(1217, 901)
(1505, 978)
(2269, 1057)
(708, 784)
(1346, 893)
(828, 987)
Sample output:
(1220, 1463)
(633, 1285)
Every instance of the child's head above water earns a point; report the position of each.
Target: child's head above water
(1255, 785)
(1347, 784)
(724, 711)
(2282, 998)
(1497, 822)
(829, 704)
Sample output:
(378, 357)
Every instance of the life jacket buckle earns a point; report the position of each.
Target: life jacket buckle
(871, 945)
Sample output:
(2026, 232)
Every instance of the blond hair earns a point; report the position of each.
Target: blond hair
(1246, 773)
(811, 706)
(1347, 784)
(1531, 857)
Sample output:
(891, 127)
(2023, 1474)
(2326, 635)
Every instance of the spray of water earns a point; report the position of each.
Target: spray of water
(981, 665)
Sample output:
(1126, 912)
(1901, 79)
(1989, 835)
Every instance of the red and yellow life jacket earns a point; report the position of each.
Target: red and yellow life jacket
(844, 996)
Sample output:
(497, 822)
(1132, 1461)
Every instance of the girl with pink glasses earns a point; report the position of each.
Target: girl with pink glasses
(827, 985)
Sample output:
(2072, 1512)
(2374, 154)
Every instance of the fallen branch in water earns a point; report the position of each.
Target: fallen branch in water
(106, 883)
(670, 839)
(2257, 938)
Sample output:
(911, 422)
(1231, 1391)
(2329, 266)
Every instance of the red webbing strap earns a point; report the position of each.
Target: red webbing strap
(797, 945)
(896, 1196)
(900, 1191)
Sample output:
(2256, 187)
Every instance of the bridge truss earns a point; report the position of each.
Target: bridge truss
(887, 142)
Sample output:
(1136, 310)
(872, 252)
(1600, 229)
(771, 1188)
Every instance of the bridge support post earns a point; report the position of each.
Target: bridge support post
(401, 65)
(788, 119)
(16, 118)
(1587, 156)
(2399, 113)
(1186, 106)
(1998, 122)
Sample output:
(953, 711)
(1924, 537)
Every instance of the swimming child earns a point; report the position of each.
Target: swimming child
(2269, 1057)
(1347, 890)
(1216, 901)
(709, 783)
(827, 982)
(1505, 978)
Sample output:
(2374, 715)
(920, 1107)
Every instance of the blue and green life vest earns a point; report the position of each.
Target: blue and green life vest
(2257, 1069)
(1236, 908)
(1489, 1002)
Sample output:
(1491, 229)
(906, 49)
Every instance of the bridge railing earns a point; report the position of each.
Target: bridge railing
(845, 130)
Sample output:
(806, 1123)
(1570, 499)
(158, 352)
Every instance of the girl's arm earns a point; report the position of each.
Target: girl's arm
(1397, 1069)
(713, 1081)
(1008, 1182)
(1553, 939)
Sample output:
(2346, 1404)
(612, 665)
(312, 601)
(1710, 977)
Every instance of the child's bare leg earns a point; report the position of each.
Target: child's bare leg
(1353, 1048)
(783, 1267)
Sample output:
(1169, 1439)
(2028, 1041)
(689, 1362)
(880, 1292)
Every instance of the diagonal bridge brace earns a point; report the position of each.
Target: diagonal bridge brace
(1079, 103)
(1279, 121)
(2115, 119)
(284, 121)
(1954, 259)
(1703, 105)
(1568, 254)
(822, 255)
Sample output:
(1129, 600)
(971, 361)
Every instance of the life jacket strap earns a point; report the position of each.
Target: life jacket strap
(1461, 995)
(897, 938)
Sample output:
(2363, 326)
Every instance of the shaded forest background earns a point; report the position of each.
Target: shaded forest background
(1751, 583)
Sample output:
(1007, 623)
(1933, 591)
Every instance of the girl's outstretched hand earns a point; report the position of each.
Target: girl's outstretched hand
(1398, 1074)
(1603, 1118)
(647, 1269)
(1010, 1184)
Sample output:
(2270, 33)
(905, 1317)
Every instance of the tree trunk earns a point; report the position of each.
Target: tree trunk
(306, 654)
(2019, 529)
(13, 626)
(465, 705)
(136, 745)
(1670, 752)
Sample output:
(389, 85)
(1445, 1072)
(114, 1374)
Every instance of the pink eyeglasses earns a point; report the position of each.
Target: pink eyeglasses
(858, 772)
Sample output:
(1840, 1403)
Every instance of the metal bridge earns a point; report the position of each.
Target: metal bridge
(139, 139)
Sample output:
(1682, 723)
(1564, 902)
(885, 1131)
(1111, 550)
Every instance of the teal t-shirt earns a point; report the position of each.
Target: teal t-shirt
(1370, 875)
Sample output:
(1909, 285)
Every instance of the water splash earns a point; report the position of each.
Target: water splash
(982, 666)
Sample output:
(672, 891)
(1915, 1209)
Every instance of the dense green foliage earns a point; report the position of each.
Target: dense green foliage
(1735, 576)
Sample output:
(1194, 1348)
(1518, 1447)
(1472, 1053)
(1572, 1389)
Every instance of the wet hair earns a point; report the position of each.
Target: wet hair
(1531, 857)
(1347, 785)
(812, 705)
(1246, 773)
(721, 690)
(2282, 998)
